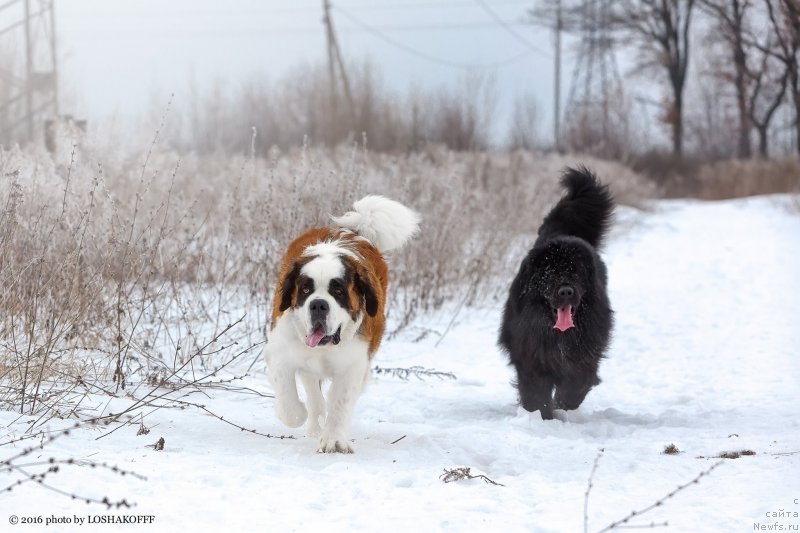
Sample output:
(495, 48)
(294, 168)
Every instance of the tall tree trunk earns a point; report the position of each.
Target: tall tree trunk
(677, 122)
(662, 30)
(796, 97)
(763, 141)
(797, 121)
(744, 149)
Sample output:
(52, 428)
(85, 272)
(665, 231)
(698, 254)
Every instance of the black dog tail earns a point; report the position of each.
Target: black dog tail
(584, 212)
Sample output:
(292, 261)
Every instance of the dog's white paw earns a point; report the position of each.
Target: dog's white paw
(329, 443)
(292, 414)
(313, 428)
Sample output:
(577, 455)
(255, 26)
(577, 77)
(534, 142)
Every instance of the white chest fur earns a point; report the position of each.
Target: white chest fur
(345, 364)
(286, 345)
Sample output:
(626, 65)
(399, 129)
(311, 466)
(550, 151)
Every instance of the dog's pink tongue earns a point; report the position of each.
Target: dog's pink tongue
(564, 319)
(317, 335)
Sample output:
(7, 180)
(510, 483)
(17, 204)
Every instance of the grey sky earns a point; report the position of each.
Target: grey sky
(116, 54)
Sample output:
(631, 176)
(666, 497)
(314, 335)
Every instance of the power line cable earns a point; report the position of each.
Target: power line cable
(307, 29)
(419, 5)
(278, 10)
(413, 51)
(514, 33)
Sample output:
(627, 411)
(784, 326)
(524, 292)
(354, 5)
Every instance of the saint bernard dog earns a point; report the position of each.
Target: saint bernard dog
(328, 316)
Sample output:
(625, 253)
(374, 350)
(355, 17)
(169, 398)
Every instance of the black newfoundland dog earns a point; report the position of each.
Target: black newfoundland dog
(557, 320)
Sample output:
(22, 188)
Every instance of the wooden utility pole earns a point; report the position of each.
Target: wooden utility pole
(54, 56)
(557, 89)
(28, 71)
(335, 59)
(326, 19)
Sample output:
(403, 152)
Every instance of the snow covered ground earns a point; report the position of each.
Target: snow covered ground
(705, 356)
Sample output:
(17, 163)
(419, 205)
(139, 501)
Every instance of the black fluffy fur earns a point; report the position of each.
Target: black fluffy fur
(555, 369)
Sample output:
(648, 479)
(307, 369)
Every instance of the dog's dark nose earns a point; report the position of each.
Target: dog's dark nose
(319, 309)
(319, 305)
(565, 291)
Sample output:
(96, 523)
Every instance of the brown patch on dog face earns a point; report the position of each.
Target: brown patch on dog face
(354, 299)
(304, 287)
(365, 286)
(291, 290)
(361, 288)
(286, 286)
(372, 273)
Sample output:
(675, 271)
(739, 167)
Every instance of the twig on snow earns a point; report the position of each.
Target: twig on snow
(54, 466)
(589, 486)
(416, 371)
(623, 523)
(456, 474)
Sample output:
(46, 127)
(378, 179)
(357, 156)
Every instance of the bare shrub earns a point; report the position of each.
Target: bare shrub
(153, 272)
(712, 117)
(736, 179)
(28, 466)
(603, 129)
(302, 104)
(674, 176)
(626, 521)
(524, 120)
(461, 117)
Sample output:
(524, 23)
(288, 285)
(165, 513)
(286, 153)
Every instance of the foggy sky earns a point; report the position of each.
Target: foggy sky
(121, 58)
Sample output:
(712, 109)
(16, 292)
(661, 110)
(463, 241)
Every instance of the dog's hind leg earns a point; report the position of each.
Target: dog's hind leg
(536, 393)
(315, 403)
(570, 394)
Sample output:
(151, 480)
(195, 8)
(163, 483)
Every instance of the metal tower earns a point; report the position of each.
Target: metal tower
(28, 69)
(595, 78)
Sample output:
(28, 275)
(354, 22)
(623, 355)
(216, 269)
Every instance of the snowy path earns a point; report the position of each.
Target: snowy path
(705, 356)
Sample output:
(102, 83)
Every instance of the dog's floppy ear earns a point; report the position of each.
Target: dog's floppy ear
(363, 285)
(287, 289)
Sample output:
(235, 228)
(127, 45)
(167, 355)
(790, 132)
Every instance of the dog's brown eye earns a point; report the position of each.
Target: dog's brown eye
(337, 291)
(306, 290)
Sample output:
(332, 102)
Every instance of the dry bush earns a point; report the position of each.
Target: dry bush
(603, 128)
(120, 269)
(461, 118)
(303, 104)
(674, 176)
(522, 133)
(31, 465)
(736, 179)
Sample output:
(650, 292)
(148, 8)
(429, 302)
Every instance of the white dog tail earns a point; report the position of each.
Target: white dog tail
(385, 223)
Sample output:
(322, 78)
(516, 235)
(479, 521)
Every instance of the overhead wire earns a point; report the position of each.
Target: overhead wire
(424, 55)
(511, 31)
(272, 10)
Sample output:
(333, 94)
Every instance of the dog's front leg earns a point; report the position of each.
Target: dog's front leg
(288, 407)
(342, 396)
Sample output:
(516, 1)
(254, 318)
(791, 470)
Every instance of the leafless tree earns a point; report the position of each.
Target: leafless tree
(729, 18)
(524, 119)
(711, 119)
(660, 29)
(750, 66)
(461, 118)
(784, 18)
(768, 84)
(594, 119)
